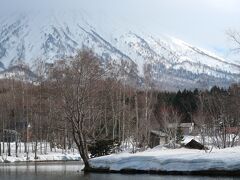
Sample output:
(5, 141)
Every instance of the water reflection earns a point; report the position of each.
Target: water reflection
(43, 171)
(149, 177)
(72, 171)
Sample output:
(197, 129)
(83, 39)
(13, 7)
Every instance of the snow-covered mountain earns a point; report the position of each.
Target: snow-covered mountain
(30, 36)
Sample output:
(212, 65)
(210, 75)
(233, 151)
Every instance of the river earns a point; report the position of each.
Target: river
(72, 171)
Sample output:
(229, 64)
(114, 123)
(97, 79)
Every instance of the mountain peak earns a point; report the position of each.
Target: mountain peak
(53, 35)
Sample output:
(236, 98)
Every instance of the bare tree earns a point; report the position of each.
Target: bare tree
(149, 100)
(169, 121)
(79, 83)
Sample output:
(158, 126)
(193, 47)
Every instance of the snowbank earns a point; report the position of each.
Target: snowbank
(171, 160)
(54, 155)
(44, 157)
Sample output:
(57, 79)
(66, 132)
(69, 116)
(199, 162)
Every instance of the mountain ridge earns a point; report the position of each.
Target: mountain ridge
(49, 36)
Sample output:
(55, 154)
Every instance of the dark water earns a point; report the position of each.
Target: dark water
(72, 171)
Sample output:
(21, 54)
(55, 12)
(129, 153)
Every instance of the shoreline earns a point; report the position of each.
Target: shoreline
(210, 172)
(38, 161)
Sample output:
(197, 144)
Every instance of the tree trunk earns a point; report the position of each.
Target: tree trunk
(82, 148)
(137, 117)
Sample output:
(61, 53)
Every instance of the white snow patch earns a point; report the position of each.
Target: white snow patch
(54, 155)
(172, 160)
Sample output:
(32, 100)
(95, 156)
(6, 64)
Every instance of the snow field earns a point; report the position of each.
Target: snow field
(162, 159)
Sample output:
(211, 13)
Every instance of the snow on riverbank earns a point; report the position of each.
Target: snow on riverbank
(44, 157)
(161, 159)
(50, 155)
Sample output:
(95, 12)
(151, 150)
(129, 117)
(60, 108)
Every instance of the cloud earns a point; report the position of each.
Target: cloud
(201, 22)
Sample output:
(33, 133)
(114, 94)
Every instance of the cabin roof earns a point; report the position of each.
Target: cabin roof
(182, 125)
(159, 133)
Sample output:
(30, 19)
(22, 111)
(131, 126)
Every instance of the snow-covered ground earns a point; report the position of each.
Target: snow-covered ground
(47, 155)
(163, 159)
(44, 157)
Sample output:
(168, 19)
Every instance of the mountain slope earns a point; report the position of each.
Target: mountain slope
(32, 36)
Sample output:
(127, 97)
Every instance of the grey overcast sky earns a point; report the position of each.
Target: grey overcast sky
(200, 22)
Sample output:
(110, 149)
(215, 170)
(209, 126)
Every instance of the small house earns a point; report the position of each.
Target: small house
(158, 138)
(193, 144)
(232, 130)
(187, 128)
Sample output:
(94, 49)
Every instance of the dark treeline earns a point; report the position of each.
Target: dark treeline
(80, 103)
(215, 113)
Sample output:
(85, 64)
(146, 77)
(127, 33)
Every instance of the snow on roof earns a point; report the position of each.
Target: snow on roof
(183, 125)
(159, 133)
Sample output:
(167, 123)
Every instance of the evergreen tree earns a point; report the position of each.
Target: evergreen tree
(103, 147)
(179, 136)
